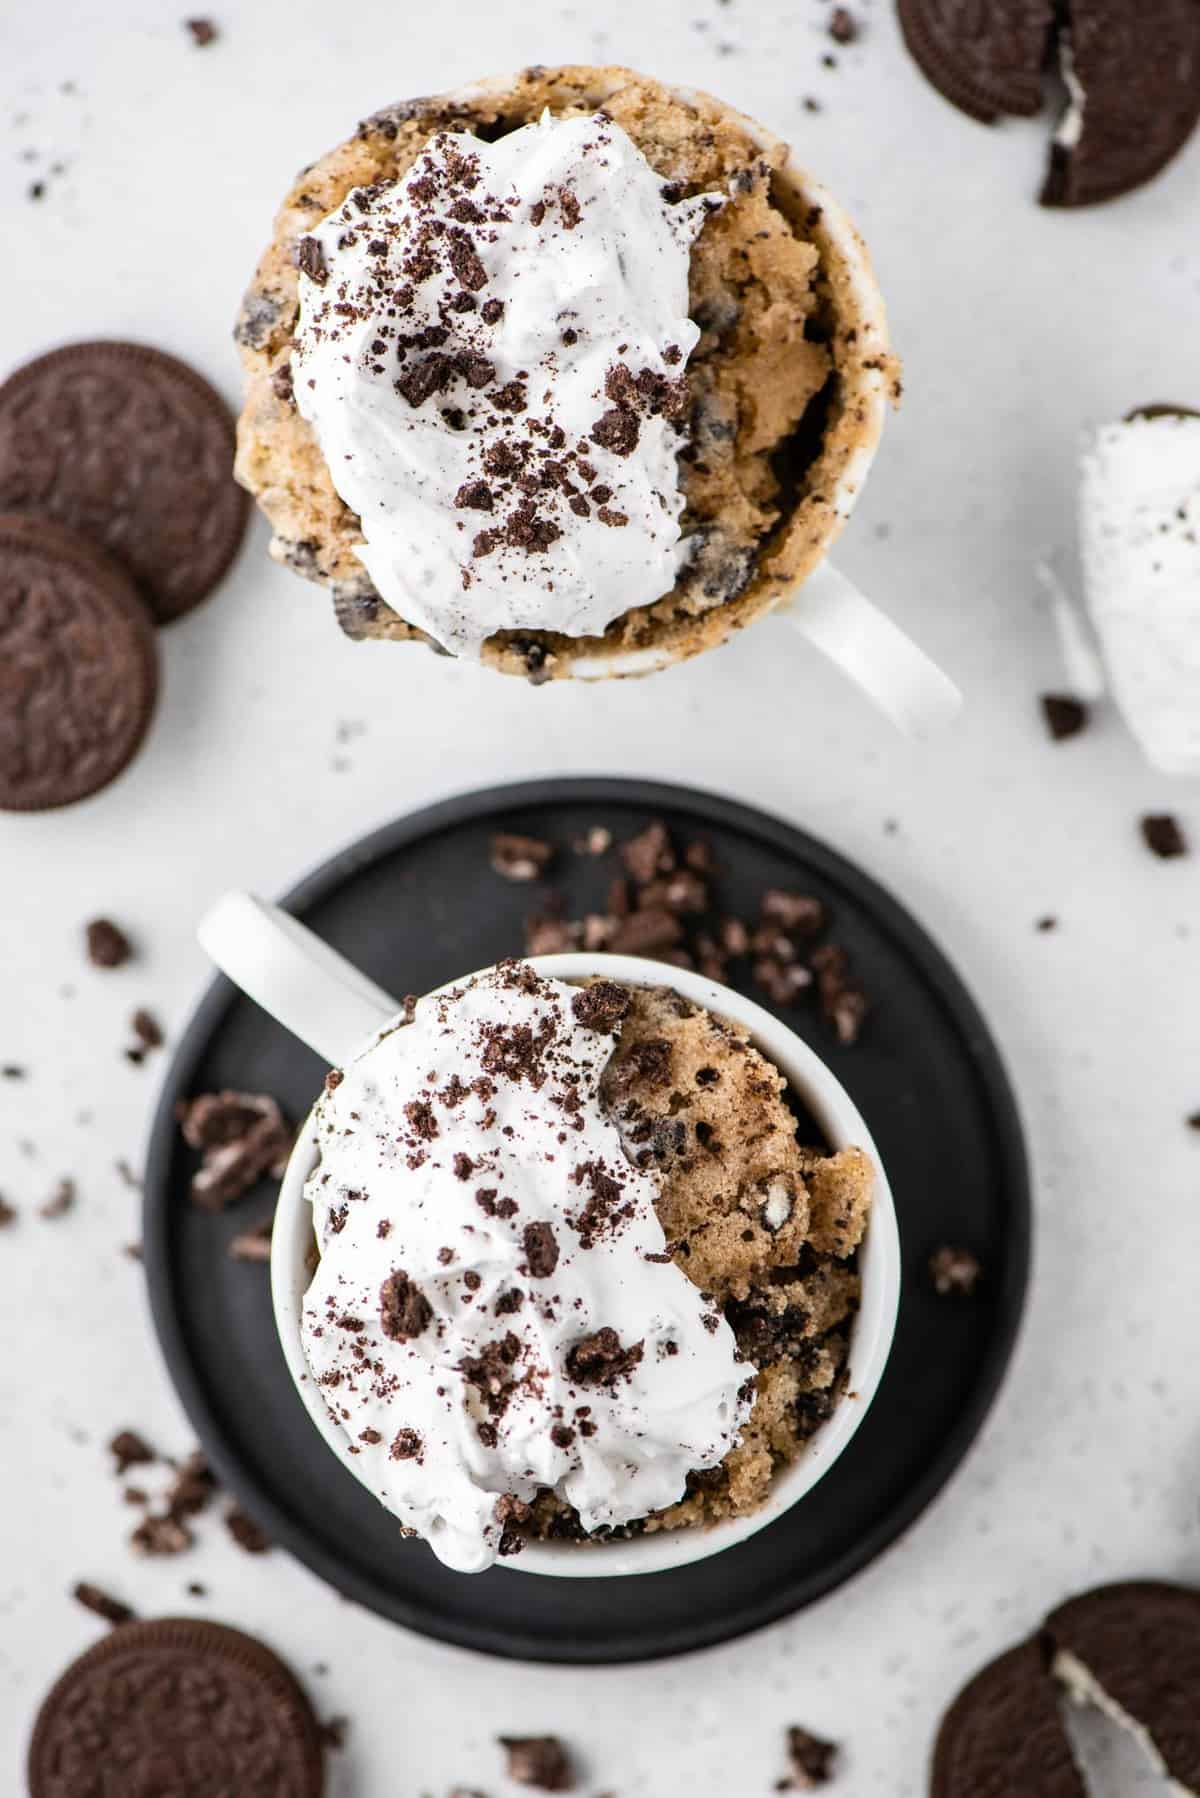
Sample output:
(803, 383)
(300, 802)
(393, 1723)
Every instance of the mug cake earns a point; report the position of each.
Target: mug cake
(563, 367)
(577, 1278)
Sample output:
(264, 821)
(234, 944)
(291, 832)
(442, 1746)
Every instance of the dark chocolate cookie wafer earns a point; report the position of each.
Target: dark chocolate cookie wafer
(1003, 1735)
(176, 1706)
(1136, 1646)
(985, 59)
(78, 666)
(1139, 69)
(134, 451)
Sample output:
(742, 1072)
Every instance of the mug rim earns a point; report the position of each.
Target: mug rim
(871, 1333)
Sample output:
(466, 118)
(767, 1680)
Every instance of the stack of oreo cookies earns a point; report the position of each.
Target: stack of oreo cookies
(118, 513)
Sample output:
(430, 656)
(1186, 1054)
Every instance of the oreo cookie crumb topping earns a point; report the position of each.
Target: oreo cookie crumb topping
(404, 1311)
(600, 1360)
(202, 31)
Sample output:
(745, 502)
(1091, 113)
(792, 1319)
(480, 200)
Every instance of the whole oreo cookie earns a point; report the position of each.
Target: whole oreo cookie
(1004, 1736)
(176, 1706)
(78, 666)
(134, 451)
(1135, 1648)
(986, 60)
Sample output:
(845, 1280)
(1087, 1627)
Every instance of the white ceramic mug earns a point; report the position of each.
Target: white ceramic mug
(330, 1005)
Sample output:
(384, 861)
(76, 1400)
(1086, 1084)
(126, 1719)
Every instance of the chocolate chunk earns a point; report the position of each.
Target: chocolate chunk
(843, 26)
(245, 1532)
(181, 1706)
(600, 1360)
(203, 32)
(1163, 835)
(955, 1271)
(602, 1005)
(1065, 717)
(520, 858)
(102, 1603)
(1004, 1735)
(129, 1450)
(539, 1761)
(133, 450)
(240, 1137)
(107, 944)
(8, 1213)
(541, 1249)
(404, 1311)
(811, 1760)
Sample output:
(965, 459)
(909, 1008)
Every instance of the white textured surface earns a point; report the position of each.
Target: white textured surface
(1018, 327)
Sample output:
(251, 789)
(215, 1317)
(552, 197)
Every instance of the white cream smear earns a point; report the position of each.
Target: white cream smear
(491, 352)
(494, 1310)
(1139, 535)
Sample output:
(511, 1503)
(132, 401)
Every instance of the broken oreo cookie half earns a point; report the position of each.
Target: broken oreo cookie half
(1132, 1650)
(1132, 77)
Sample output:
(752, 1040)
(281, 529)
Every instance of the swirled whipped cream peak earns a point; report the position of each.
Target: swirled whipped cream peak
(491, 351)
(495, 1311)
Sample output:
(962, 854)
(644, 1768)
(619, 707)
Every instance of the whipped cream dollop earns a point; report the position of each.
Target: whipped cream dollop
(1139, 537)
(491, 351)
(495, 1310)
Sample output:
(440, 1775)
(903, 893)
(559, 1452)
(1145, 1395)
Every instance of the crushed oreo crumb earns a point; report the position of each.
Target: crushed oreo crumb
(520, 858)
(1163, 836)
(107, 944)
(1064, 716)
(102, 1603)
(954, 1271)
(541, 1762)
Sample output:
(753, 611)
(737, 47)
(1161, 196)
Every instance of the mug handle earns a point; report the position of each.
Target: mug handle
(295, 976)
(905, 683)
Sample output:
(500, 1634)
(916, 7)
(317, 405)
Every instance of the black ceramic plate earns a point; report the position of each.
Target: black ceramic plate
(415, 905)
